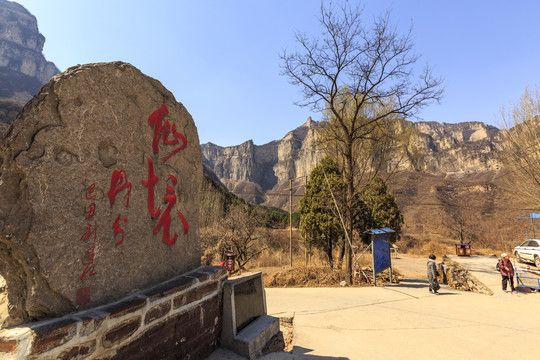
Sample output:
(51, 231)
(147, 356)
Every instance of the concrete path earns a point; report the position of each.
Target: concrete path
(483, 268)
(410, 266)
(404, 321)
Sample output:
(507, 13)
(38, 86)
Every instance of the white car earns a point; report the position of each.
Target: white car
(529, 251)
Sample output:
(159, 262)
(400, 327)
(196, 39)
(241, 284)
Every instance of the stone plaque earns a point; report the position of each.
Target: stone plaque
(100, 174)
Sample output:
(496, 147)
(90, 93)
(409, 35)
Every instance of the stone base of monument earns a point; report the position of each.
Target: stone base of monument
(178, 319)
(247, 329)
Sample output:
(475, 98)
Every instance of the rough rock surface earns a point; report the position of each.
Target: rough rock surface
(83, 220)
(459, 278)
(23, 68)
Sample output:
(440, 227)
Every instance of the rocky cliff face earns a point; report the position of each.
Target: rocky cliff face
(453, 148)
(261, 173)
(23, 68)
(255, 172)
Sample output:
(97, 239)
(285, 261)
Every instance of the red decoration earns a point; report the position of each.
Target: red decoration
(83, 295)
(91, 211)
(165, 220)
(184, 222)
(150, 183)
(119, 182)
(89, 191)
(88, 260)
(88, 233)
(118, 230)
(163, 131)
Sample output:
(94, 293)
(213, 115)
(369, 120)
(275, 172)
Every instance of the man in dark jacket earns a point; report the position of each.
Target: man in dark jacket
(507, 272)
(432, 275)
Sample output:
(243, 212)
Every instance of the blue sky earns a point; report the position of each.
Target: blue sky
(221, 58)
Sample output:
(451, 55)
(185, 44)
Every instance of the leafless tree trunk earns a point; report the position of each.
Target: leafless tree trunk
(521, 146)
(362, 79)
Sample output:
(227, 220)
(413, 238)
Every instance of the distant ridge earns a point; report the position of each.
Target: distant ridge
(257, 172)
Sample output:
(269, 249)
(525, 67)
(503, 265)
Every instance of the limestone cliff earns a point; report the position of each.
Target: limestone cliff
(23, 68)
(255, 172)
(261, 173)
(452, 148)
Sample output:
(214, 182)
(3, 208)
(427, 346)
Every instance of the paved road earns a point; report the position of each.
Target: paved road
(404, 321)
(483, 268)
(411, 267)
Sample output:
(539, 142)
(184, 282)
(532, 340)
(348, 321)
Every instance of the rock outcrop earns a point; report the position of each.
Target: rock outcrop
(23, 68)
(99, 181)
(261, 173)
(255, 172)
(453, 148)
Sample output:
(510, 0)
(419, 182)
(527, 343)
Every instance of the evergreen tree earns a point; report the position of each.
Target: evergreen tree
(319, 222)
(382, 207)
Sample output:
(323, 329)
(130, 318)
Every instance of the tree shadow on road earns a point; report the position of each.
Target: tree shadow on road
(412, 283)
(302, 352)
(416, 283)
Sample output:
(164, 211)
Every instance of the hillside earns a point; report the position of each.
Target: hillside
(451, 171)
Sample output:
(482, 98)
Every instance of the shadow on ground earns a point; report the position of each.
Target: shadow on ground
(303, 353)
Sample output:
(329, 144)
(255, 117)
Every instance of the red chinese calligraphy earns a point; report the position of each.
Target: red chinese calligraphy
(155, 121)
(119, 183)
(150, 183)
(165, 220)
(88, 233)
(89, 236)
(88, 260)
(184, 221)
(118, 230)
(169, 136)
(89, 191)
(90, 211)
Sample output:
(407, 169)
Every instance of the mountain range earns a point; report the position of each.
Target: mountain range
(258, 172)
(451, 173)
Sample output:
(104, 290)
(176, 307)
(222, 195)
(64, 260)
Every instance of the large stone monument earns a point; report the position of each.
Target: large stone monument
(99, 183)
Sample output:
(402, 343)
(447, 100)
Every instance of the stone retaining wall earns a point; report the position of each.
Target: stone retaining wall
(460, 279)
(178, 319)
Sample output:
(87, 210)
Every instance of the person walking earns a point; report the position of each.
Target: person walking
(507, 272)
(432, 274)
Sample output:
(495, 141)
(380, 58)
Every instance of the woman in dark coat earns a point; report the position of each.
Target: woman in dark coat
(432, 274)
(507, 272)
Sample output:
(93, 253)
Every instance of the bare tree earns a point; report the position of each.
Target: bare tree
(361, 77)
(521, 146)
(243, 233)
(455, 215)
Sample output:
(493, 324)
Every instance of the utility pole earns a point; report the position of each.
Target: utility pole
(305, 247)
(290, 212)
(290, 218)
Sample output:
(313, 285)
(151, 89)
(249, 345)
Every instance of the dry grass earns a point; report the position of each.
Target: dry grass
(303, 276)
(447, 247)
(314, 270)
(311, 272)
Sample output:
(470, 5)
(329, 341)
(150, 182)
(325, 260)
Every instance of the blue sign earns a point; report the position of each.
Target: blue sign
(381, 252)
(380, 245)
